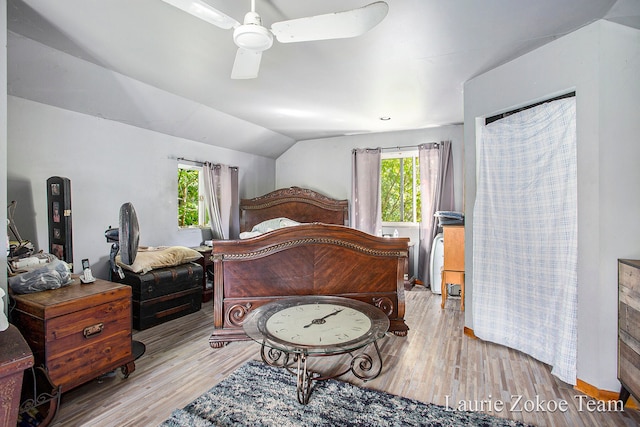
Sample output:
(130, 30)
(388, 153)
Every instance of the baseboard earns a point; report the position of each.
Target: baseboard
(604, 395)
(583, 386)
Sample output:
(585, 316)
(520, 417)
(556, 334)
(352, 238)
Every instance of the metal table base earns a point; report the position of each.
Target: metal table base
(363, 365)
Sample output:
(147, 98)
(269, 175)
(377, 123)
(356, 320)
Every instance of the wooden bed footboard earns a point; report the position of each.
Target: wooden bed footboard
(309, 259)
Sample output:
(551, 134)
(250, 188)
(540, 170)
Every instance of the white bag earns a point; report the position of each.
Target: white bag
(4, 324)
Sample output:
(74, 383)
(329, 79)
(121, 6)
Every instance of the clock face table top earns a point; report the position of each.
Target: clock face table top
(316, 325)
(292, 329)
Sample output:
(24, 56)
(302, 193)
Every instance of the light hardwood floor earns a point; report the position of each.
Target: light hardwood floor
(435, 363)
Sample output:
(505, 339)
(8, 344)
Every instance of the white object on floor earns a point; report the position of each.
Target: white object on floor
(436, 263)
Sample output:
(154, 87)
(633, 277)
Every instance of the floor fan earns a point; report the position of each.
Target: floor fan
(125, 240)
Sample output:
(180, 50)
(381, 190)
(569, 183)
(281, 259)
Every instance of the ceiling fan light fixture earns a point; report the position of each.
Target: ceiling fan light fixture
(253, 37)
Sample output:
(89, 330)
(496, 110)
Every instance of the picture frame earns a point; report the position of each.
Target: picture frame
(59, 217)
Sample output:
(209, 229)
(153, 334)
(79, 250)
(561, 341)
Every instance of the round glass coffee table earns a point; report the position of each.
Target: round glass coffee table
(292, 329)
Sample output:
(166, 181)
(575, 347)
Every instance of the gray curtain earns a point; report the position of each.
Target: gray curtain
(366, 214)
(221, 195)
(436, 193)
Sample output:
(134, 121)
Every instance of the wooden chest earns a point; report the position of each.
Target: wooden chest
(629, 327)
(77, 332)
(164, 294)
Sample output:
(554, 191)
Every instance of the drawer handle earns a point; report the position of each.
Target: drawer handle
(93, 330)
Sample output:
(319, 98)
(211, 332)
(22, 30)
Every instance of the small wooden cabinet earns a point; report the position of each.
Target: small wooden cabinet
(629, 328)
(453, 268)
(207, 272)
(78, 332)
(15, 357)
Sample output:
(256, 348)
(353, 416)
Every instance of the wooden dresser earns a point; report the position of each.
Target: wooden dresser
(15, 357)
(453, 268)
(629, 328)
(78, 332)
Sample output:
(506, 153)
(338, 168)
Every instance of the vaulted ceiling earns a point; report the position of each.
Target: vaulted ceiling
(149, 64)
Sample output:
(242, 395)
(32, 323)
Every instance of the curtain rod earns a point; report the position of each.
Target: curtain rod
(405, 147)
(182, 159)
(497, 117)
(198, 162)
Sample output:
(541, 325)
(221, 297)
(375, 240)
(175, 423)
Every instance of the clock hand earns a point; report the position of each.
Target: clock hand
(320, 321)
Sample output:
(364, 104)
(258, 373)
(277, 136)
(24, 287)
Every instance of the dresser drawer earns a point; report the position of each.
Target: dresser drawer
(87, 343)
(79, 365)
(629, 280)
(629, 367)
(83, 327)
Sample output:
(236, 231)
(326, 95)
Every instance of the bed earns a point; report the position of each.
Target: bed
(320, 256)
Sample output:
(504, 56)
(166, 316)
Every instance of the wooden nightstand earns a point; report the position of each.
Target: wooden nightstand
(453, 269)
(77, 332)
(207, 265)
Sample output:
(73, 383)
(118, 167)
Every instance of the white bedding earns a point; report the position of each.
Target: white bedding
(268, 225)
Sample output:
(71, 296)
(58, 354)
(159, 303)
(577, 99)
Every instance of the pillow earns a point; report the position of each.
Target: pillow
(286, 222)
(273, 224)
(268, 225)
(249, 234)
(161, 257)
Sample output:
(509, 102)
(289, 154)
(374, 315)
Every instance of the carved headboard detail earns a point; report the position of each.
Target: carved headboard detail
(298, 204)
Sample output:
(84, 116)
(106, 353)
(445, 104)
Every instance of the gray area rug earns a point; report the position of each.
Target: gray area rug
(260, 395)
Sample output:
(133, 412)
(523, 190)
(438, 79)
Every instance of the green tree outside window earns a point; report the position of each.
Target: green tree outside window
(188, 197)
(400, 189)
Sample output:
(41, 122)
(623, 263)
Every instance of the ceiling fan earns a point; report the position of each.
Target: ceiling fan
(252, 38)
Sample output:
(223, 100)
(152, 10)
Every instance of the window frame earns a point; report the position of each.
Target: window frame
(202, 205)
(411, 153)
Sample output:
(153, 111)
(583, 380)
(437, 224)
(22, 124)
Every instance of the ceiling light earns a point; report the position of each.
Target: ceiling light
(253, 37)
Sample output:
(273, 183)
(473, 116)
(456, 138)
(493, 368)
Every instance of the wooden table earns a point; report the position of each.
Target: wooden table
(15, 357)
(290, 330)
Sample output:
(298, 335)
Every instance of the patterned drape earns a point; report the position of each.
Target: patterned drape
(525, 235)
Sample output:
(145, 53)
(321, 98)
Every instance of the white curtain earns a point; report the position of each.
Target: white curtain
(366, 213)
(436, 194)
(221, 194)
(525, 235)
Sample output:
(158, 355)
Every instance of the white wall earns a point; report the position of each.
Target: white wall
(324, 165)
(108, 163)
(601, 62)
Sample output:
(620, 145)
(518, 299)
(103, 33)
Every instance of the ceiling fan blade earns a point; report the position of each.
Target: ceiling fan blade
(207, 13)
(247, 64)
(339, 25)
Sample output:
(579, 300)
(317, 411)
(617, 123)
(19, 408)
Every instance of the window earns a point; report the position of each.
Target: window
(400, 187)
(192, 209)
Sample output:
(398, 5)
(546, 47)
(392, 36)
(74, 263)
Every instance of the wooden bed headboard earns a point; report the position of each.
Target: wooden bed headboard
(298, 204)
